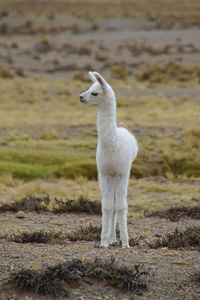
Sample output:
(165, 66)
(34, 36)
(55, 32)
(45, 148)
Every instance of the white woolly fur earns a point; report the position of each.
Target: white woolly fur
(116, 150)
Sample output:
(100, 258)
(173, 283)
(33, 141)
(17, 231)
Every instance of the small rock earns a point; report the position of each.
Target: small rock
(158, 235)
(139, 294)
(20, 214)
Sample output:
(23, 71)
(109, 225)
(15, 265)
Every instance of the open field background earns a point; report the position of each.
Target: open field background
(149, 52)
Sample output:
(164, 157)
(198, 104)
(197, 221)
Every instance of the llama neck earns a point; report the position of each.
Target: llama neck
(106, 124)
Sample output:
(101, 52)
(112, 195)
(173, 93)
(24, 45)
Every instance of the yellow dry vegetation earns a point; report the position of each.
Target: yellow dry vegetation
(48, 141)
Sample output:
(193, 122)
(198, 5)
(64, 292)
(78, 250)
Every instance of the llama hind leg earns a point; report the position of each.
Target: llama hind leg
(107, 190)
(122, 208)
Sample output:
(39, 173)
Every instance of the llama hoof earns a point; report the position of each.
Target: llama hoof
(125, 247)
(104, 246)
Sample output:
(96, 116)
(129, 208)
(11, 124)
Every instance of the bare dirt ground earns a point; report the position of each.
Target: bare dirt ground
(63, 46)
(170, 271)
(60, 45)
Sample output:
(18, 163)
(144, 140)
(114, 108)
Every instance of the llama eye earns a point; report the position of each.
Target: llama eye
(94, 94)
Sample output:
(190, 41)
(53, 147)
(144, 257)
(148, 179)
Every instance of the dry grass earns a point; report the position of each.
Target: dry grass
(74, 157)
(5, 73)
(53, 280)
(192, 138)
(188, 239)
(119, 71)
(30, 203)
(175, 213)
(37, 148)
(81, 206)
(172, 71)
(143, 194)
(88, 233)
(42, 204)
(40, 236)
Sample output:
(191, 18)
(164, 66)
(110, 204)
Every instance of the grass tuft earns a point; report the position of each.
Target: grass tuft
(53, 280)
(40, 236)
(47, 282)
(87, 233)
(30, 203)
(119, 71)
(123, 277)
(172, 71)
(190, 238)
(192, 138)
(4, 73)
(80, 205)
(175, 213)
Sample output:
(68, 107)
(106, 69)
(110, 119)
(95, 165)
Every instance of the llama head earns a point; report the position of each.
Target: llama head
(100, 94)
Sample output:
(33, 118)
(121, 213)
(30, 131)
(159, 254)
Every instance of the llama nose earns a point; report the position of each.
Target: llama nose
(81, 98)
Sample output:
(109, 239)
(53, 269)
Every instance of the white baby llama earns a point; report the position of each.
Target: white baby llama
(116, 150)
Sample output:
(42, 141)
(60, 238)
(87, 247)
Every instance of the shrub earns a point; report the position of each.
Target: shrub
(175, 213)
(87, 233)
(80, 205)
(172, 71)
(179, 239)
(39, 236)
(30, 203)
(54, 279)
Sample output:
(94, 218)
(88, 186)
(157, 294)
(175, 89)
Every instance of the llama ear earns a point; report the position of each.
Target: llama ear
(92, 77)
(100, 79)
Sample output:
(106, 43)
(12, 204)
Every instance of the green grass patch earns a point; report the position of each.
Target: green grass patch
(39, 144)
(184, 163)
(145, 167)
(27, 164)
(33, 164)
(25, 171)
(28, 156)
(73, 169)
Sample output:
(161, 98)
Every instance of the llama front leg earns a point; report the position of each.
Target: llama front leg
(122, 208)
(112, 238)
(106, 226)
(122, 218)
(107, 190)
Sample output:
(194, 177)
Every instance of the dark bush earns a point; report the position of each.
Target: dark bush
(40, 236)
(87, 233)
(53, 280)
(175, 213)
(179, 239)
